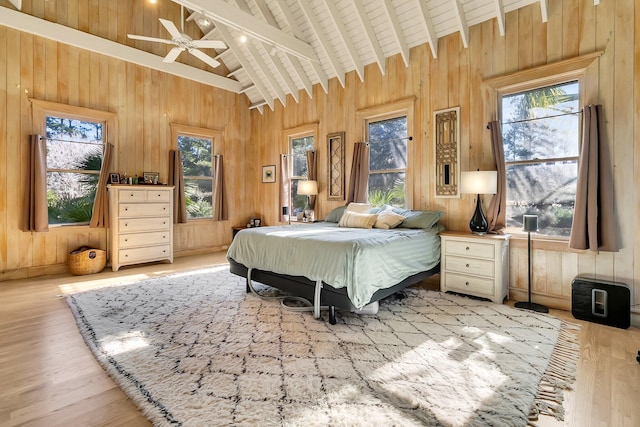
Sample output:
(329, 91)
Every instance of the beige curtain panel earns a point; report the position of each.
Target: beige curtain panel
(176, 179)
(496, 214)
(219, 206)
(312, 173)
(284, 189)
(359, 178)
(594, 223)
(100, 213)
(37, 214)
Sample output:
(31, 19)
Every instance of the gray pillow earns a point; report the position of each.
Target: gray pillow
(418, 219)
(335, 214)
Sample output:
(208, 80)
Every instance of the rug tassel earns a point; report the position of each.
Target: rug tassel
(559, 375)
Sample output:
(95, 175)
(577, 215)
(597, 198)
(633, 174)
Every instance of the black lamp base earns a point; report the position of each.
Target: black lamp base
(532, 306)
(478, 223)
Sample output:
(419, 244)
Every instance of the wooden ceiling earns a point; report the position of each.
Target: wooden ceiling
(290, 45)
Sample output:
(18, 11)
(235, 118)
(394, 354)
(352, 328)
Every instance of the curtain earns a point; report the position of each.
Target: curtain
(496, 214)
(358, 185)
(312, 173)
(284, 189)
(100, 213)
(594, 225)
(177, 180)
(37, 214)
(219, 206)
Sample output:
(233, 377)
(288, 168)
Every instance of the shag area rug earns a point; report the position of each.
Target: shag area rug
(195, 349)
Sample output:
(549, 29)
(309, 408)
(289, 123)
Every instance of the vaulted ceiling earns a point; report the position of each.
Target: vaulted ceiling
(291, 45)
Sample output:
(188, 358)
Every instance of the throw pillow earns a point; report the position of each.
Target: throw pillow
(357, 220)
(335, 214)
(420, 219)
(359, 207)
(388, 219)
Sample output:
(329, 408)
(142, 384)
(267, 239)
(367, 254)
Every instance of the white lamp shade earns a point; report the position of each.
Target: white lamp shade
(308, 188)
(479, 182)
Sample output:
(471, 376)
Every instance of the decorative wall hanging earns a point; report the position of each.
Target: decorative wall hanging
(446, 134)
(269, 173)
(335, 173)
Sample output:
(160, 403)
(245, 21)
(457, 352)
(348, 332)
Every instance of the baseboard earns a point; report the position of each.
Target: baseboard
(635, 316)
(200, 251)
(558, 302)
(27, 272)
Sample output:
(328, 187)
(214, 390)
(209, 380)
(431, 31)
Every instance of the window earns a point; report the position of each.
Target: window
(541, 134)
(387, 161)
(74, 159)
(299, 171)
(197, 166)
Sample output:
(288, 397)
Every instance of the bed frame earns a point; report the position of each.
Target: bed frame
(334, 298)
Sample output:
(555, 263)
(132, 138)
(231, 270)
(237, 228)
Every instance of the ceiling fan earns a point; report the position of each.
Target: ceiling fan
(183, 42)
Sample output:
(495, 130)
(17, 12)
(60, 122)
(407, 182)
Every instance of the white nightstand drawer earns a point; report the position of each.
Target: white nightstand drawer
(143, 209)
(472, 266)
(468, 284)
(467, 248)
(150, 253)
(144, 239)
(144, 224)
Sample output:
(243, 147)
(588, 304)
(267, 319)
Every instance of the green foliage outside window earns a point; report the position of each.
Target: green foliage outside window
(387, 161)
(197, 165)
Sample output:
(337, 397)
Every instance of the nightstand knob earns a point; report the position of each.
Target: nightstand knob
(467, 248)
(467, 265)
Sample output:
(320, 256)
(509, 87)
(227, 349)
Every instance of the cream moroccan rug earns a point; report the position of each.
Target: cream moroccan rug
(194, 349)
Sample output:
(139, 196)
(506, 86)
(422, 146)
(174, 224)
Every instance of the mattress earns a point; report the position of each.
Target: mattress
(360, 260)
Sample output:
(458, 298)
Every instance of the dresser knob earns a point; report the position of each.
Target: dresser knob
(467, 265)
(466, 283)
(467, 248)
(126, 209)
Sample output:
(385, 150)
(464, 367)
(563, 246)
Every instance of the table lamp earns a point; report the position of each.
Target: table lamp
(479, 182)
(308, 188)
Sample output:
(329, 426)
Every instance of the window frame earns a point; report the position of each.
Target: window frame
(288, 136)
(217, 148)
(403, 107)
(582, 69)
(41, 109)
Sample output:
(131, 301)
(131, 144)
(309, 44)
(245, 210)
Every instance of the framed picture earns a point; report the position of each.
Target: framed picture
(151, 177)
(446, 134)
(114, 178)
(269, 173)
(335, 172)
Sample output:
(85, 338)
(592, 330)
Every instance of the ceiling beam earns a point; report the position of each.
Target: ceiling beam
(462, 23)
(246, 64)
(346, 38)
(361, 13)
(297, 32)
(432, 38)
(72, 37)
(299, 72)
(397, 31)
(233, 17)
(321, 37)
(544, 9)
(16, 3)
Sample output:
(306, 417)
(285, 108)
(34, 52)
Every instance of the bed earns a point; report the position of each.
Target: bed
(335, 265)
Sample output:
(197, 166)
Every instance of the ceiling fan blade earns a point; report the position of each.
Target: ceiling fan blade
(150, 39)
(171, 28)
(211, 44)
(173, 54)
(204, 57)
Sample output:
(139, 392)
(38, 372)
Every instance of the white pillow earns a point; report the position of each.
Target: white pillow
(388, 219)
(359, 207)
(357, 220)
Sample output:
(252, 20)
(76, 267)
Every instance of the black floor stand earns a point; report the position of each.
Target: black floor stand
(528, 305)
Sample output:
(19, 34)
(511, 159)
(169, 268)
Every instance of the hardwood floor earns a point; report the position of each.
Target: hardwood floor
(49, 377)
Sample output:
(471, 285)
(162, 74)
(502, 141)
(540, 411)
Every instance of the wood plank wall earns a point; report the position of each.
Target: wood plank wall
(455, 78)
(145, 101)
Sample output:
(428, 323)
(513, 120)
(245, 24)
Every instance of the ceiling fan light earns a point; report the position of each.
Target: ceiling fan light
(243, 38)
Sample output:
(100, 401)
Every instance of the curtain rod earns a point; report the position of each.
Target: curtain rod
(539, 118)
(409, 138)
(70, 140)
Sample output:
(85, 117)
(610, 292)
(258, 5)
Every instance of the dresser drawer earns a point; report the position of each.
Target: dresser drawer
(143, 209)
(128, 225)
(159, 196)
(151, 253)
(475, 249)
(144, 239)
(467, 265)
(132, 196)
(468, 284)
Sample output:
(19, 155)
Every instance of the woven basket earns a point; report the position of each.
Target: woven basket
(86, 260)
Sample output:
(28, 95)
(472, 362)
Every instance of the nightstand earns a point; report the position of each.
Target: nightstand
(475, 265)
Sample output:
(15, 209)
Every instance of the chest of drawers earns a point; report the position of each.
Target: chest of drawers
(140, 224)
(475, 265)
